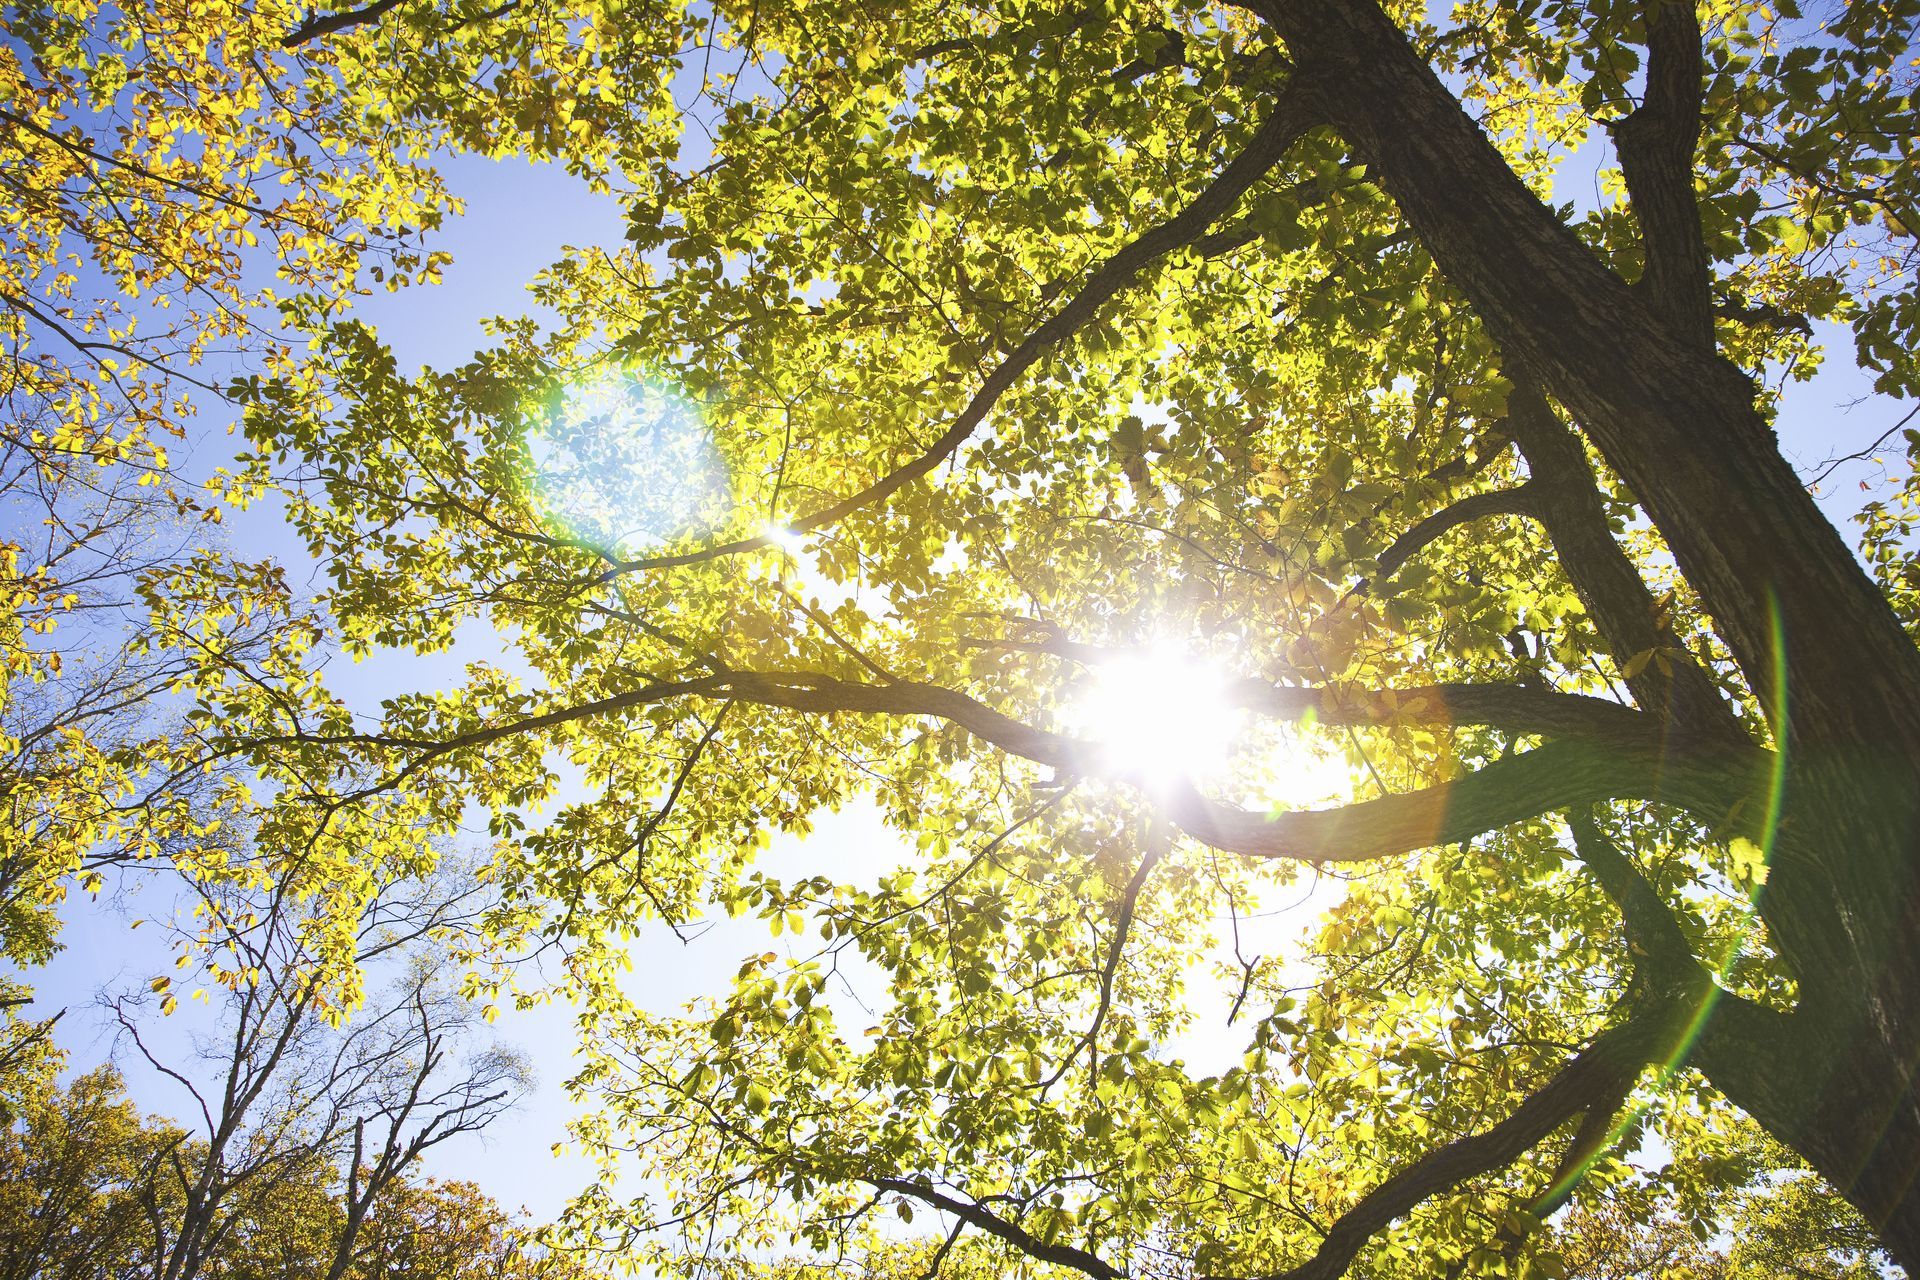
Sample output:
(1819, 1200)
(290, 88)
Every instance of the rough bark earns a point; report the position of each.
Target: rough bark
(1656, 142)
(1824, 654)
(1615, 596)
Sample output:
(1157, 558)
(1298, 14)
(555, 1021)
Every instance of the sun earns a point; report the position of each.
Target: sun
(1159, 716)
(1162, 718)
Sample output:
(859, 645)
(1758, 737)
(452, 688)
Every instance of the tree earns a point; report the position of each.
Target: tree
(1796, 1231)
(68, 1159)
(966, 361)
(430, 1229)
(290, 1092)
(83, 1167)
(183, 187)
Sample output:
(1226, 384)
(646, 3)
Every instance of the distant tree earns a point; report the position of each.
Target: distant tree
(1779, 1226)
(70, 1166)
(82, 1173)
(296, 1076)
(1795, 1227)
(425, 1230)
(1605, 1242)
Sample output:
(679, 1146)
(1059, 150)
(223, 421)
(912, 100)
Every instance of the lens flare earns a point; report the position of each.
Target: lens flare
(628, 463)
(1748, 911)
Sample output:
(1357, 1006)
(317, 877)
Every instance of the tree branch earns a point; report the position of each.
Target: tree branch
(1608, 584)
(994, 1225)
(1288, 122)
(1557, 776)
(1598, 1072)
(1513, 708)
(1656, 143)
(1589, 1140)
(1517, 501)
(1762, 315)
(326, 24)
(1617, 760)
(1122, 926)
(1519, 709)
(1653, 935)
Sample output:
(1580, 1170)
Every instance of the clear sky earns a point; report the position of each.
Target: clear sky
(518, 218)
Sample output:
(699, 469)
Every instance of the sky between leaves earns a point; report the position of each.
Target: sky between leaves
(518, 218)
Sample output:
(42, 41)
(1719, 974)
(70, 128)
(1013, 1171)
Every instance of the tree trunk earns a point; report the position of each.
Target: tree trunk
(1822, 651)
(1814, 1081)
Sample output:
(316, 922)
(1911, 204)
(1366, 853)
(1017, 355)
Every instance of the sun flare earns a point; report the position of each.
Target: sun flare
(1163, 717)
(628, 462)
(1160, 716)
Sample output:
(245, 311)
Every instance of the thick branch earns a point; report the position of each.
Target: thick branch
(1517, 709)
(1597, 1073)
(1747, 1050)
(1513, 708)
(994, 1225)
(1558, 776)
(1518, 501)
(825, 695)
(1613, 759)
(1653, 935)
(1589, 1140)
(1656, 144)
(1287, 123)
(1611, 588)
(326, 24)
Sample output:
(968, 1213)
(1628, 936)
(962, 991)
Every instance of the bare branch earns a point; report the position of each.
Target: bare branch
(1861, 455)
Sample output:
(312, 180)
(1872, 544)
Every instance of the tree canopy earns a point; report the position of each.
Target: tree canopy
(1170, 460)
